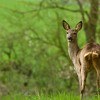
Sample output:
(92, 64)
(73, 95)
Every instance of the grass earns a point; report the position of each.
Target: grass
(60, 96)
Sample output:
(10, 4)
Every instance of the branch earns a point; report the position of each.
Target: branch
(44, 41)
(42, 8)
(81, 9)
(58, 35)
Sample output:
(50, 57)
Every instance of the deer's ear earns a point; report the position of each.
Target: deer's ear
(78, 26)
(65, 25)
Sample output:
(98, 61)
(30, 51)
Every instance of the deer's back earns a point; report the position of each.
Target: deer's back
(91, 47)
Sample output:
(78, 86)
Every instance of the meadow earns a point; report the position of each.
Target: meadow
(59, 96)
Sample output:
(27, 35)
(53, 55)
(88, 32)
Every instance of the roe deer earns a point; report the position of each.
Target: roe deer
(83, 59)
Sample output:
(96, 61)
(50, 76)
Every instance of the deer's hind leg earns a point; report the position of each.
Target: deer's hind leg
(85, 66)
(96, 64)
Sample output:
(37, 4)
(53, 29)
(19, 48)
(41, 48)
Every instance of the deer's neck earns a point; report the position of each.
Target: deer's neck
(73, 49)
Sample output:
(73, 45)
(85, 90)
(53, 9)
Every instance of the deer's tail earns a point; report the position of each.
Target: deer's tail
(95, 55)
(91, 55)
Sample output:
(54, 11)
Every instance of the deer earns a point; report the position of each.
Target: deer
(83, 59)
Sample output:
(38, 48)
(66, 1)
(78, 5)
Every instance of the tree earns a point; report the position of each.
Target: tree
(90, 27)
(90, 24)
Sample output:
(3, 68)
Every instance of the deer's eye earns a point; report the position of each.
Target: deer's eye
(74, 33)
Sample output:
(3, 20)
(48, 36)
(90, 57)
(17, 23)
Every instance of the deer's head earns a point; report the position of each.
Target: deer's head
(72, 33)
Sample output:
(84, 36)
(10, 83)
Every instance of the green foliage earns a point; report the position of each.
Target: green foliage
(33, 47)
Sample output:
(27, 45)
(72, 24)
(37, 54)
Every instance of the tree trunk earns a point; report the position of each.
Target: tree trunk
(90, 29)
(90, 26)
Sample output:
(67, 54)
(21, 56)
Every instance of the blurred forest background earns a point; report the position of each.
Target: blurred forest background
(33, 46)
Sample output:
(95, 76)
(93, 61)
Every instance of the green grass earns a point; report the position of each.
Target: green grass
(60, 96)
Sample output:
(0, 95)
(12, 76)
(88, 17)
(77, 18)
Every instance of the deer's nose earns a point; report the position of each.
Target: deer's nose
(70, 38)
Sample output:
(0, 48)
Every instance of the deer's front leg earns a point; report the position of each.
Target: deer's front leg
(83, 81)
(78, 71)
(79, 79)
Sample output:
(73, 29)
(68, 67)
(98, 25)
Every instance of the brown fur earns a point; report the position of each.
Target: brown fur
(83, 59)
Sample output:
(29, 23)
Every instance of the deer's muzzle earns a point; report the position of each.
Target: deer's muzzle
(69, 38)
